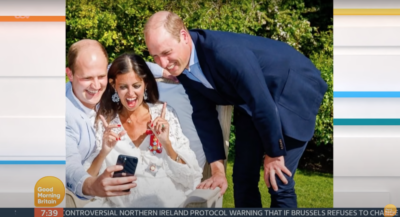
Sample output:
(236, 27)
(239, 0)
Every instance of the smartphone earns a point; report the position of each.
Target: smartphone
(129, 163)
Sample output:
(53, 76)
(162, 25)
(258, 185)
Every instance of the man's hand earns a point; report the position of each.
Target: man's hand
(106, 186)
(218, 178)
(272, 166)
(168, 76)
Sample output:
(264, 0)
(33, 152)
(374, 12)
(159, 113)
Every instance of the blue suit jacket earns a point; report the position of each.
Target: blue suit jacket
(80, 142)
(281, 87)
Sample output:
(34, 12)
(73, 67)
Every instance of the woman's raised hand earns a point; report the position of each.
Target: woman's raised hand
(110, 138)
(160, 127)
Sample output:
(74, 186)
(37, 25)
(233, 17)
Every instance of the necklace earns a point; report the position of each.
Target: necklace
(129, 119)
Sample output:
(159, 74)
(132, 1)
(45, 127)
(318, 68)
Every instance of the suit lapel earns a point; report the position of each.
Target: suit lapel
(204, 63)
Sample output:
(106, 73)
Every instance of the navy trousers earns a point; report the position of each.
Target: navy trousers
(248, 160)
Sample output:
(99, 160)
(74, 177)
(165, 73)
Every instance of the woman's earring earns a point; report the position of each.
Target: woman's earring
(115, 97)
(145, 94)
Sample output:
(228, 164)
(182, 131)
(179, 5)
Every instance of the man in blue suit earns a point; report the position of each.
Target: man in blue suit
(276, 92)
(87, 72)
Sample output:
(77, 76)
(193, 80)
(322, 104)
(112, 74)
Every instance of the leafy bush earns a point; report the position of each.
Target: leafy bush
(118, 25)
(323, 60)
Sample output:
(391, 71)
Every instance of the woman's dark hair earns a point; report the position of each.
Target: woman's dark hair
(128, 62)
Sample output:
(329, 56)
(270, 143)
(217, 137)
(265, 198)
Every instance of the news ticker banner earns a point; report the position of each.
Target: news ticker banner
(366, 103)
(32, 77)
(185, 212)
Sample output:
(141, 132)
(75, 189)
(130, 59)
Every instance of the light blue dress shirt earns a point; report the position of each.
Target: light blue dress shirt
(79, 143)
(195, 73)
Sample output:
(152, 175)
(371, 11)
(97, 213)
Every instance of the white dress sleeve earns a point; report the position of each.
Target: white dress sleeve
(188, 175)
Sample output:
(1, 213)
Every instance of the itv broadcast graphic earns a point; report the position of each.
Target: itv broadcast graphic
(49, 192)
(199, 108)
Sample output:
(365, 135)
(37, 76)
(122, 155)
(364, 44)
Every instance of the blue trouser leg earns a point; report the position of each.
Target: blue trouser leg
(286, 197)
(248, 160)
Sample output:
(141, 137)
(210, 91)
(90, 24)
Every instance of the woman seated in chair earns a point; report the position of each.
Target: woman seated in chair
(129, 111)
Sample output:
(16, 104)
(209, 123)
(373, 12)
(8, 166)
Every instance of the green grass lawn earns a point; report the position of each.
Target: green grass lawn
(314, 190)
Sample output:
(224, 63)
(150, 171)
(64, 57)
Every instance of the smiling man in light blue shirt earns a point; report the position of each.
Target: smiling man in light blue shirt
(87, 72)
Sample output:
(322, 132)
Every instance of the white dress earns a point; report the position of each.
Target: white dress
(172, 181)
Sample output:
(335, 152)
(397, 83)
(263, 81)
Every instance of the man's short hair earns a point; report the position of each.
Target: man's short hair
(172, 24)
(73, 51)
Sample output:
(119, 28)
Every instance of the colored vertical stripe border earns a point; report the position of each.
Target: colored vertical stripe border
(366, 11)
(31, 162)
(381, 122)
(366, 94)
(32, 18)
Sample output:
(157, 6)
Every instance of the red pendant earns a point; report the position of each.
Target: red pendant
(155, 145)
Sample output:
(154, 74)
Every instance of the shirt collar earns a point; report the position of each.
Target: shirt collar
(193, 56)
(89, 112)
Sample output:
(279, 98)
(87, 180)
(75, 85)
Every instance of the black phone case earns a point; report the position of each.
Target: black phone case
(129, 163)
